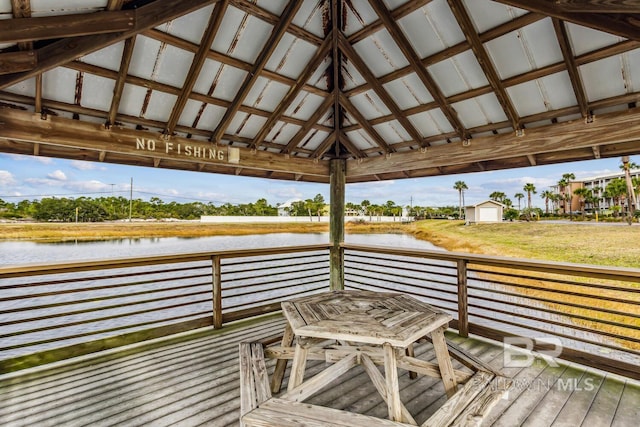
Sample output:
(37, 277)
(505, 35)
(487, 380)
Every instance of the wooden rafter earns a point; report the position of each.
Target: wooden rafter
(358, 117)
(304, 130)
(336, 60)
(608, 22)
(125, 61)
(324, 146)
(293, 91)
(68, 49)
(388, 101)
(350, 146)
(416, 63)
(464, 20)
(115, 4)
(13, 62)
(53, 27)
(271, 43)
(22, 9)
(598, 6)
(572, 68)
(196, 65)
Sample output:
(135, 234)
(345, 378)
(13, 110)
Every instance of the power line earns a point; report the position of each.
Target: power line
(60, 194)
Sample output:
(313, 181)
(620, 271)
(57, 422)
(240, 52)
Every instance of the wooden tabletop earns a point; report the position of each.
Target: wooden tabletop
(363, 316)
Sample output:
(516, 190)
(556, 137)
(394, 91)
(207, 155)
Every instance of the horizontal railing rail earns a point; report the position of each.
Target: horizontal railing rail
(591, 313)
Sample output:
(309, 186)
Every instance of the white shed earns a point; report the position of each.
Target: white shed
(487, 211)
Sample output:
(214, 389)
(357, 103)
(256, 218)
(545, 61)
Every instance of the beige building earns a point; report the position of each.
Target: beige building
(487, 211)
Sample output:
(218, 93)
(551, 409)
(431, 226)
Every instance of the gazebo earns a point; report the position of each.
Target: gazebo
(329, 91)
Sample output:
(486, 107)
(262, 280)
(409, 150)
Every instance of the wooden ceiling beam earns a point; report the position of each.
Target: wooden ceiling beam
(115, 4)
(359, 118)
(14, 62)
(261, 61)
(260, 13)
(598, 6)
(58, 26)
(324, 146)
(464, 21)
(609, 129)
(388, 101)
(304, 130)
(351, 147)
(125, 61)
(571, 66)
(416, 63)
(78, 135)
(69, 49)
(627, 26)
(337, 26)
(196, 65)
(294, 90)
(22, 9)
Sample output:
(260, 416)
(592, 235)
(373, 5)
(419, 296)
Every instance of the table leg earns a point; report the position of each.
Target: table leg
(411, 353)
(391, 376)
(444, 361)
(298, 366)
(281, 364)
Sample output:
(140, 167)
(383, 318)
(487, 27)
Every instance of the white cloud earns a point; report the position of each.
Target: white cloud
(286, 192)
(83, 166)
(6, 178)
(88, 186)
(57, 175)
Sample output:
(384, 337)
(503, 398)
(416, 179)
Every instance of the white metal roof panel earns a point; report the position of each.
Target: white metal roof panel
(380, 53)
(26, 87)
(392, 132)
(480, 111)
(246, 125)
(189, 27)
(241, 36)
(548, 93)
(224, 79)
(173, 66)
(458, 74)
(160, 106)
(408, 91)
(5, 7)
(309, 16)
(557, 90)
(132, 99)
(432, 122)
(144, 57)
(596, 85)
(65, 7)
(304, 105)
(97, 92)
(291, 56)
(487, 14)
(59, 84)
(266, 94)
(370, 105)
(540, 44)
(211, 117)
(189, 113)
(360, 139)
(508, 55)
(319, 76)
(355, 20)
(274, 6)
(352, 78)
(108, 58)
(631, 61)
(282, 132)
(585, 39)
(315, 140)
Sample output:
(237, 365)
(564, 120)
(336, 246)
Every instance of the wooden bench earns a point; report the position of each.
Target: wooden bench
(258, 408)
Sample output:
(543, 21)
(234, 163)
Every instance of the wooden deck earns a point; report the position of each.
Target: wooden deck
(193, 380)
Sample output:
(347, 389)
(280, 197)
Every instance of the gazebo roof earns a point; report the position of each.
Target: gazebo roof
(276, 88)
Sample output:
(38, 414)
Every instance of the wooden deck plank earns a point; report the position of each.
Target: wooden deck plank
(577, 406)
(195, 381)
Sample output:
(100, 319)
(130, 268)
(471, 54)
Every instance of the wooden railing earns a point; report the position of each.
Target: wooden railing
(50, 312)
(589, 313)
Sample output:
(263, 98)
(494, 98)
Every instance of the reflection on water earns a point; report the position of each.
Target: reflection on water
(32, 252)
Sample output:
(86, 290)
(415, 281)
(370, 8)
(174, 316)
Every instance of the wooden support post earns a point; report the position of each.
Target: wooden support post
(337, 174)
(463, 309)
(217, 292)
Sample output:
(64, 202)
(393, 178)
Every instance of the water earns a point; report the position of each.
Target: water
(32, 252)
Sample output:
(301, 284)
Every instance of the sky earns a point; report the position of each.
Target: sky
(32, 177)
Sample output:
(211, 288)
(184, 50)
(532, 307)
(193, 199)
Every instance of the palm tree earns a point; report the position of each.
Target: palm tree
(562, 185)
(498, 196)
(631, 194)
(547, 195)
(460, 186)
(583, 194)
(519, 196)
(616, 189)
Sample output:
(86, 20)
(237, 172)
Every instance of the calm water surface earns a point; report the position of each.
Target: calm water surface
(31, 252)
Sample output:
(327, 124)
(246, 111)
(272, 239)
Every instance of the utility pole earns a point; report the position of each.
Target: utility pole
(130, 198)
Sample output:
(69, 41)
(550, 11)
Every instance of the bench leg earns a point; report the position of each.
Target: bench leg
(281, 364)
(444, 361)
(298, 366)
(393, 390)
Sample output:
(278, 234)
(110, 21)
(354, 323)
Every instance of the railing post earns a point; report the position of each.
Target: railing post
(217, 291)
(463, 309)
